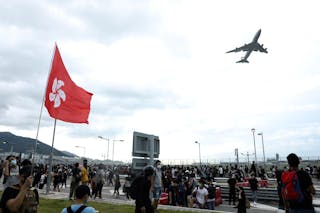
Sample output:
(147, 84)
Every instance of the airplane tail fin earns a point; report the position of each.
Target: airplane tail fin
(243, 61)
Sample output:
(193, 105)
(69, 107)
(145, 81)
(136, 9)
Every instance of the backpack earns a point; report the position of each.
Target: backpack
(291, 189)
(69, 210)
(134, 188)
(30, 202)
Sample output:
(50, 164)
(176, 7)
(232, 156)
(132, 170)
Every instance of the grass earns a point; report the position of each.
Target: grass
(56, 206)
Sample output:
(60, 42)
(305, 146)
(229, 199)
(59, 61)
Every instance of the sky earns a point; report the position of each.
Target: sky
(161, 68)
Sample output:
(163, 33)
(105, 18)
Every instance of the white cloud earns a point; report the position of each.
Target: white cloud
(160, 67)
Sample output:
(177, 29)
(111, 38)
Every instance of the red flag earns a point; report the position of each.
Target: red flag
(64, 99)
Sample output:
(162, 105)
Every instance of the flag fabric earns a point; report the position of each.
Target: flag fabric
(65, 100)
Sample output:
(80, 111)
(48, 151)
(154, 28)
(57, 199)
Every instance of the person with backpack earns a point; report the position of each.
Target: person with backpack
(200, 195)
(297, 189)
(21, 197)
(140, 191)
(82, 196)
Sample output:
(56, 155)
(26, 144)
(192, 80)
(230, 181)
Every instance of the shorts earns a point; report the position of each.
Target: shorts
(157, 193)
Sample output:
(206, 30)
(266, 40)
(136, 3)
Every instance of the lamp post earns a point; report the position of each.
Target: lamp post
(254, 143)
(113, 152)
(199, 153)
(247, 157)
(107, 139)
(264, 157)
(84, 150)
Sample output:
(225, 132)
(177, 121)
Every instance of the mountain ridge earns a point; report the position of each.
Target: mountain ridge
(11, 142)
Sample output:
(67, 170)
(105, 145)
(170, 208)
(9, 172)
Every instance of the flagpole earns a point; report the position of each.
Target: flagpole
(50, 159)
(40, 116)
(36, 140)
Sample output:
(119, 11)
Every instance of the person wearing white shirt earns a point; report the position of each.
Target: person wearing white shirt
(201, 195)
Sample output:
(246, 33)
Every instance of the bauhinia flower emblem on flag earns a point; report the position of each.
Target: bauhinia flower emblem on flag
(57, 93)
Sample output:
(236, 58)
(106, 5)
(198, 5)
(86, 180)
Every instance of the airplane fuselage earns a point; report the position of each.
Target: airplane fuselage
(248, 48)
(256, 37)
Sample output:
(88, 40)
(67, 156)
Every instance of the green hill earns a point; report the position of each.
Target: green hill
(26, 145)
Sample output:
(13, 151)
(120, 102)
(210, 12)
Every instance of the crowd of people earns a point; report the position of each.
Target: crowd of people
(187, 186)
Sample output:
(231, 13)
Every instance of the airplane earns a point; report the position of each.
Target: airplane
(253, 46)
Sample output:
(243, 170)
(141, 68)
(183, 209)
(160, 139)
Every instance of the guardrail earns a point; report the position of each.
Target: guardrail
(264, 194)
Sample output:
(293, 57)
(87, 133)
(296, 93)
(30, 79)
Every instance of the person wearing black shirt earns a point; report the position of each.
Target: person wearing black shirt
(242, 201)
(13, 196)
(143, 202)
(76, 178)
(232, 189)
(254, 188)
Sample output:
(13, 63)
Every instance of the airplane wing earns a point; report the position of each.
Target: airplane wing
(244, 59)
(245, 47)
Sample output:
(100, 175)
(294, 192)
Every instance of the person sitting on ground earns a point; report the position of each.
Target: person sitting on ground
(82, 196)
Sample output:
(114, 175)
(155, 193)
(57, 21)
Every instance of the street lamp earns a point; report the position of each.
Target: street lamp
(113, 151)
(254, 142)
(107, 139)
(84, 150)
(199, 153)
(264, 157)
(247, 157)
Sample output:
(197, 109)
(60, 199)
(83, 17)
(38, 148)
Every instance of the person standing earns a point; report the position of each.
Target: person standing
(254, 188)
(75, 180)
(232, 189)
(143, 184)
(100, 180)
(11, 171)
(211, 194)
(156, 187)
(253, 169)
(117, 184)
(84, 173)
(304, 189)
(242, 201)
